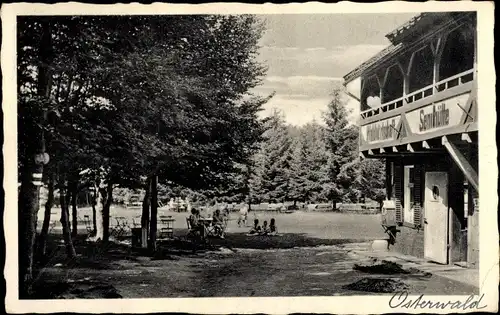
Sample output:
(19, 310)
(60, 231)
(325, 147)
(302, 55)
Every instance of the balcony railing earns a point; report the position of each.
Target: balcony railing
(423, 93)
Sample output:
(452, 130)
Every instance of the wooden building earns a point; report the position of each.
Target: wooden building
(418, 111)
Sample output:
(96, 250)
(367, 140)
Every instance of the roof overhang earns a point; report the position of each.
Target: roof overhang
(407, 33)
(422, 23)
(379, 58)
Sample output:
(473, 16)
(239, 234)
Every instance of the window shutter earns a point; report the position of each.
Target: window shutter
(417, 207)
(398, 186)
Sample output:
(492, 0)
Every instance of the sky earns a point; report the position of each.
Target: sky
(308, 54)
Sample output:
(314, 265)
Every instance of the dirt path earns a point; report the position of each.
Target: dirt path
(305, 271)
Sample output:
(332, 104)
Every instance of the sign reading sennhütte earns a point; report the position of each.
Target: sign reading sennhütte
(439, 116)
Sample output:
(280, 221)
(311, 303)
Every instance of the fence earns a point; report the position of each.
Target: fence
(360, 208)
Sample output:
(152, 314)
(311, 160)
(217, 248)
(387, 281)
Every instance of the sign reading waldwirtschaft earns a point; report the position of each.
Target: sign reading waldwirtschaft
(380, 131)
(439, 115)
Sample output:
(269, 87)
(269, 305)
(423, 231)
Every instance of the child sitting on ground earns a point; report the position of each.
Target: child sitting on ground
(265, 229)
(273, 230)
(256, 228)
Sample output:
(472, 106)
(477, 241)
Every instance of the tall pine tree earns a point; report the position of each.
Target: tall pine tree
(309, 171)
(341, 139)
(273, 161)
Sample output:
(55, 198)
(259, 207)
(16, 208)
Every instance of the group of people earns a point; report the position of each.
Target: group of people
(266, 229)
(219, 220)
(199, 226)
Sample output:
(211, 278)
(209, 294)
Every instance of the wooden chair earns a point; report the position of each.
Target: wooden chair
(120, 227)
(88, 224)
(166, 224)
(136, 221)
(194, 234)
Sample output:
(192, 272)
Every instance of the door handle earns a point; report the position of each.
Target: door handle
(425, 221)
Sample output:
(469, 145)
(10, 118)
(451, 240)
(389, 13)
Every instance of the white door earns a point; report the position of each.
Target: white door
(436, 217)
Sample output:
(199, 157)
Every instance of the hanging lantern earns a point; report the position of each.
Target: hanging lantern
(42, 158)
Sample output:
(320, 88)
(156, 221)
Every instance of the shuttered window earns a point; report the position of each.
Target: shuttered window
(417, 206)
(413, 198)
(398, 185)
(408, 193)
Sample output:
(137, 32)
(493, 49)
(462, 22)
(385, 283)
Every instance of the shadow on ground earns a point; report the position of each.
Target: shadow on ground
(100, 256)
(283, 241)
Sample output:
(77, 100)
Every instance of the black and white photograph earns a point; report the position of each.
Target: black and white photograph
(180, 153)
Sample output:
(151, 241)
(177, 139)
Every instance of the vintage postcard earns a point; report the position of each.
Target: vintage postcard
(244, 158)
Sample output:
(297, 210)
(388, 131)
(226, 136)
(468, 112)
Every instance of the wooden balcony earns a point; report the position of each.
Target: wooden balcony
(445, 107)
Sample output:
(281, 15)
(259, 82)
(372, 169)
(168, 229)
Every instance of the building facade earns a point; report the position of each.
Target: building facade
(418, 111)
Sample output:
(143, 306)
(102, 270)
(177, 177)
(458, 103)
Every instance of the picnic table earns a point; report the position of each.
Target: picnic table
(206, 221)
(211, 228)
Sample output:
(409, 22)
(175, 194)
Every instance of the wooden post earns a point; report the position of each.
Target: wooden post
(462, 162)
(438, 51)
(388, 178)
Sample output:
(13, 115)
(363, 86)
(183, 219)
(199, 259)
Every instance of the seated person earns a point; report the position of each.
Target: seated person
(196, 224)
(194, 218)
(273, 230)
(218, 223)
(226, 211)
(265, 229)
(256, 227)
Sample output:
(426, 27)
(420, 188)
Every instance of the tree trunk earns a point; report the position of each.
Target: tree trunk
(74, 214)
(68, 202)
(29, 194)
(146, 202)
(100, 195)
(42, 240)
(94, 212)
(70, 250)
(28, 208)
(145, 205)
(154, 213)
(106, 211)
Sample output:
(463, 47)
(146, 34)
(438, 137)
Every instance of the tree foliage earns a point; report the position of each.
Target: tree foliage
(341, 142)
(273, 162)
(309, 164)
(116, 99)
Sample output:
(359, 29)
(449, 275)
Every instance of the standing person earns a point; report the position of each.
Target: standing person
(188, 205)
(226, 214)
(243, 216)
